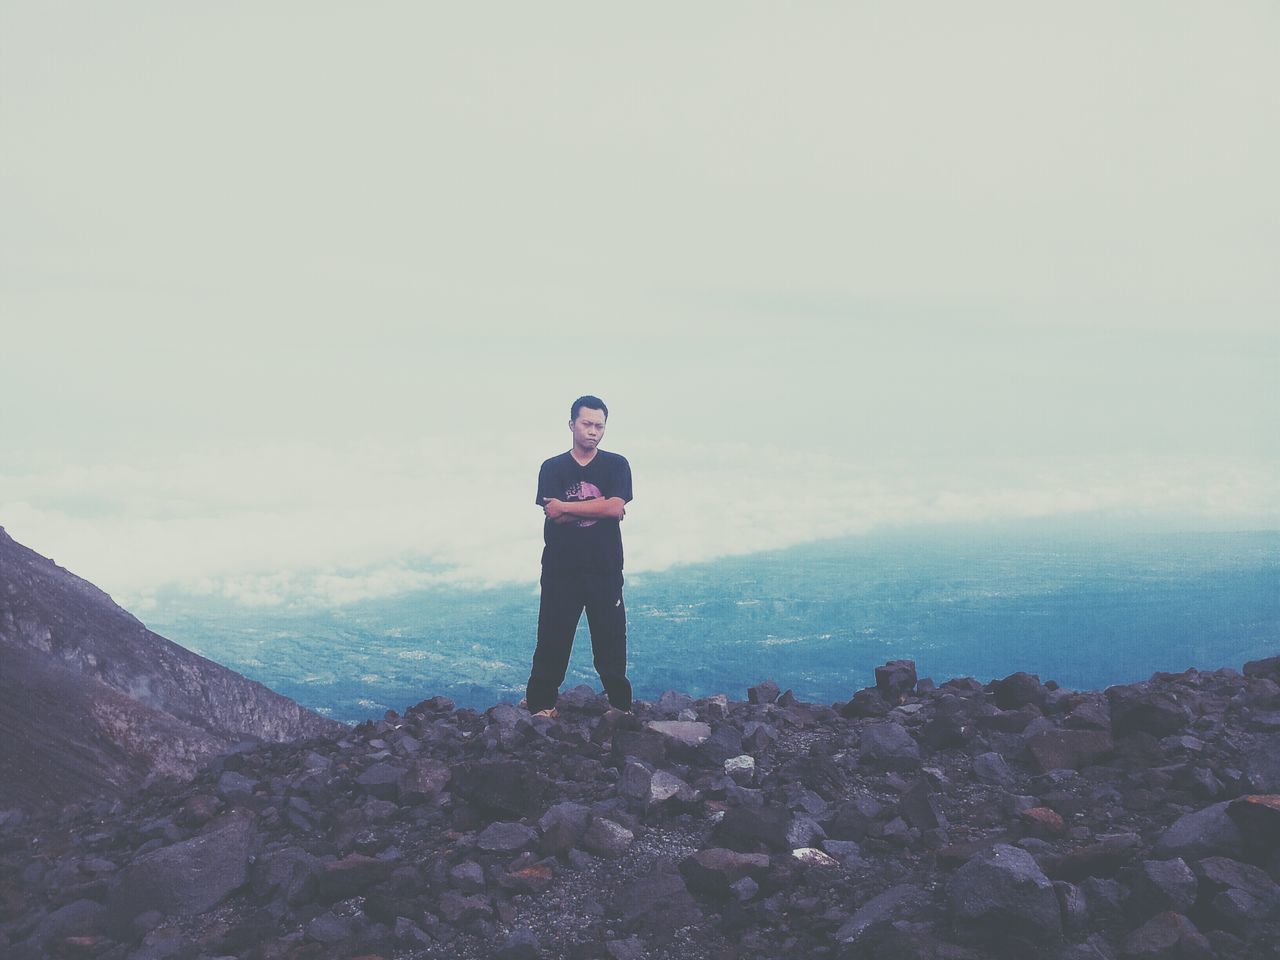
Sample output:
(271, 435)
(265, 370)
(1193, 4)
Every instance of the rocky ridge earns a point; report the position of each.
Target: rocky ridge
(92, 703)
(959, 821)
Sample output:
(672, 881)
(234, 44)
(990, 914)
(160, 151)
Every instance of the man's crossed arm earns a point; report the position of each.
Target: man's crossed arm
(566, 511)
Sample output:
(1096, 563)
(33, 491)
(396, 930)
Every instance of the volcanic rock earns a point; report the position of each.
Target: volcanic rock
(505, 837)
(184, 878)
(1157, 886)
(896, 903)
(1202, 833)
(816, 839)
(1002, 893)
(655, 904)
(606, 838)
(1019, 690)
(682, 732)
(743, 828)
(896, 679)
(1143, 711)
(715, 870)
(1166, 936)
(889, 745)
(1258, 818)
(1063, 749)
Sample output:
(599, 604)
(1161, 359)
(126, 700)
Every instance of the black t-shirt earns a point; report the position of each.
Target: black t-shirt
(585, 544)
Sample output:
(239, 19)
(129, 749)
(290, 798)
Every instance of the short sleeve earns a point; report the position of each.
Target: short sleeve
(622, 483)
(546, 489)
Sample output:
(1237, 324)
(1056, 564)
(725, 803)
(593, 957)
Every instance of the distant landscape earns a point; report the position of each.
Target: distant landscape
(1085, 608)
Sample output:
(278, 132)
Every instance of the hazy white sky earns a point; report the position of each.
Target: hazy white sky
(295, 295)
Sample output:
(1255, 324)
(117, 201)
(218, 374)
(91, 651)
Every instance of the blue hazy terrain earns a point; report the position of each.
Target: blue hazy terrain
(1085, 608)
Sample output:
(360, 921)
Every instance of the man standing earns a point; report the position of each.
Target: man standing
(583, 494)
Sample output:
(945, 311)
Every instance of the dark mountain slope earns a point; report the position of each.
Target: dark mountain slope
(93, 703)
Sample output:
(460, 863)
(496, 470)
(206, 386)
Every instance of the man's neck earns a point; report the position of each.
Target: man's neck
(583, 457)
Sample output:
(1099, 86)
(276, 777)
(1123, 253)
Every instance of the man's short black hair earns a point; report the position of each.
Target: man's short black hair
(591, 403)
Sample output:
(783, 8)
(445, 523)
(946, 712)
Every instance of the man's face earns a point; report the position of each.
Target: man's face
(588, 428)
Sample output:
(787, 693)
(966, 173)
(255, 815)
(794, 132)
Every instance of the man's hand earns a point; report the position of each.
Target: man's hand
(553, 508)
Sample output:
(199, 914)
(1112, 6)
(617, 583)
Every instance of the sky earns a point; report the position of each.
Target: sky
(295, 296)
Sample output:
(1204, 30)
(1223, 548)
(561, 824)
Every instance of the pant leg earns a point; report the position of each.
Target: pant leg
(607, 618)
(559, 611)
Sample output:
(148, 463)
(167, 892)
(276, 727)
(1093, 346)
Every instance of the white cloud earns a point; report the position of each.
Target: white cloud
(331, 525)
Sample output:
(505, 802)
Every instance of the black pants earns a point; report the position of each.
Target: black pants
(564, 595)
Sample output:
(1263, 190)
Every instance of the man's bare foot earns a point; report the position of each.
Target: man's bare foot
(552, 712)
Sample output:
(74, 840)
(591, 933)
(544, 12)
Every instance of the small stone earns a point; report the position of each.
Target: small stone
(685, 733)
(1002, 890)
(1166, 936)
(423, 780)
(1019, 690)
(606, 838)
(235, 786)
(765, 692)
(889, 745)
(1156, 886)
(896, 679)
(744, 827)
(713, 871)
(329, 928)
(520, 945)
(1043, 821)
(895, 903)
(991, 768)
(468, 876)
(382, 781)
(562, 826)
(1202, 833)
(672, 702)
(742, 769)
(1071, 749)
(810, 857)
(1258, 817)
(1102, 858)
(502, 837)
(1135, 710)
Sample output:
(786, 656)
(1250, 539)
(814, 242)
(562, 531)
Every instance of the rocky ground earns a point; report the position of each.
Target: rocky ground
(956, 821)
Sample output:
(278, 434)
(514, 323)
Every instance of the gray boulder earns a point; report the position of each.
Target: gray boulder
(1166, 936)
(744, 827)
(1202, 833)
(896, 903)
(991, 768)
(766, 692)
(1157, 886)
(562, 826)
(1018, 690)
(605, 838)
(685, 733)
(889, 745)
(896, 678)
(1138, 710)
(184, 879)
(501, 837)
(1262, 764)
(290, 871)
(655, 904)
(1002, 893)
(715, 870)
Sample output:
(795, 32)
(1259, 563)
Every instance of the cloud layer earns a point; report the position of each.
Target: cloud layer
(334, 524)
